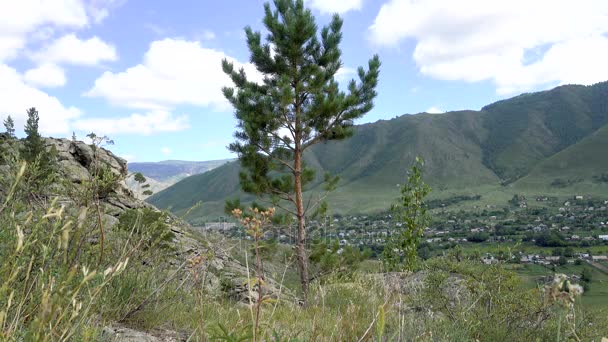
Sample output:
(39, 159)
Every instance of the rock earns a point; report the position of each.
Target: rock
(123, 334)
(74, 172)
(109, 221)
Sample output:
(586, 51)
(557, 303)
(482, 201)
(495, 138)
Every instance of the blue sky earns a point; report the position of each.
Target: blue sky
(147, 73)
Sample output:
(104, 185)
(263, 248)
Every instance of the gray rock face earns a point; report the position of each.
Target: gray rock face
(81, 156)
(123, 334)
(78, 161)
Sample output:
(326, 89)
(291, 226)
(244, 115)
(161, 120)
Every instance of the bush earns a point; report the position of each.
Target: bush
(149, 225)
(478, 237)
(50, 280)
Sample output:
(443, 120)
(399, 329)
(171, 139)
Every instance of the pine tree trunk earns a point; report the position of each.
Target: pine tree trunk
(301, 238)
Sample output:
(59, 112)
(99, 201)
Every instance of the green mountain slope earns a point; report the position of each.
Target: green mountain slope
(581, 165)
(463, 150)
(531, 127)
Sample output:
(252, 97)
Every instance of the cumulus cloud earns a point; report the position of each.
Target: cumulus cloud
(16, 96)
(166, 151)
(144, 124)
(70, 49)
(98, 10)
(45, 75)
(516, 44)
(20, 19)
(335, 6)
(434, 110)
(173, 72)
(345, 74)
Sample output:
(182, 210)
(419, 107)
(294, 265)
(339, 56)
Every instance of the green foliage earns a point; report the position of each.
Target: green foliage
(299, 94)
(478, 237)
(221, 333)
(33, 145)
(491, 303)
(47, 284)
(401, 251)
(331, 258)
(9, 126)
(150, 227)
(139, 178)
(586, 275)
(42, 170)
(550, 239)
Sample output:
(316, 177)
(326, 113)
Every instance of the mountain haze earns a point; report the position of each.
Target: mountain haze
(528, 135)
(160, 175)
(174, 169)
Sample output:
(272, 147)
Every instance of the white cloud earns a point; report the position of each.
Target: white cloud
(516, 44)
(20, 18)
(128, 157)
(45, 75)
(144, 124)
(335, 6)
(166, 151)
(434, 110)
(345, 74)
(16, 96)
(206, 35)
(173, 72)
(71, 49)
(98, 10)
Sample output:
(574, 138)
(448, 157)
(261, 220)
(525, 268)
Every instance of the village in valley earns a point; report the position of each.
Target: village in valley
(544, 230)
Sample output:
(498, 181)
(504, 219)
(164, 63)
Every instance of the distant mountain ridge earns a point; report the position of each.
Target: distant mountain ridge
(163, 174)
(171, 169)
(464, 151)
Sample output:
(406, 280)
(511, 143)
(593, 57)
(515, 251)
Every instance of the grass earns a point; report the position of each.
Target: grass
(595, 298)
(53, 286)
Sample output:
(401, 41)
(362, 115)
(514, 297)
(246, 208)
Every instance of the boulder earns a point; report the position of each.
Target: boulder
(123, 334)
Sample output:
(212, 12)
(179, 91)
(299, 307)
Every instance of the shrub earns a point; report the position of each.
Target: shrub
(149, 225)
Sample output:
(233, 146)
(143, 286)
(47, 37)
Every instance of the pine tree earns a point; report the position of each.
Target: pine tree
(9, 125)
(297, 105)
(33, 145)
(42, 161)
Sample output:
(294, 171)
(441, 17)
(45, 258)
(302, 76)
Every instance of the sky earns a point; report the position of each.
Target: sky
(148, 73)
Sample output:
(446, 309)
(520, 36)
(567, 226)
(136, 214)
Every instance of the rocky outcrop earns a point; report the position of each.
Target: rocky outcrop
(78, 161)
(123, 334)
(224, 276)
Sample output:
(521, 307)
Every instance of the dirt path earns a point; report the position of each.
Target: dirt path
(598, 266)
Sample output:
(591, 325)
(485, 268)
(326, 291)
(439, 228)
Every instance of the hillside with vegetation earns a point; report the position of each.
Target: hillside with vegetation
(487, 225)
(466, 153)
(140, 274)
(163, 174)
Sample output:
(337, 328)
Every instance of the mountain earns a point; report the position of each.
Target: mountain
(168, 170)
(583, 165)
(163, 174)
(466, 152)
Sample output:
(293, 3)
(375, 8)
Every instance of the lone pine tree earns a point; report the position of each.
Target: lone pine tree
(298, 104)
(9, 126)
(33, 145)
(42, 168)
